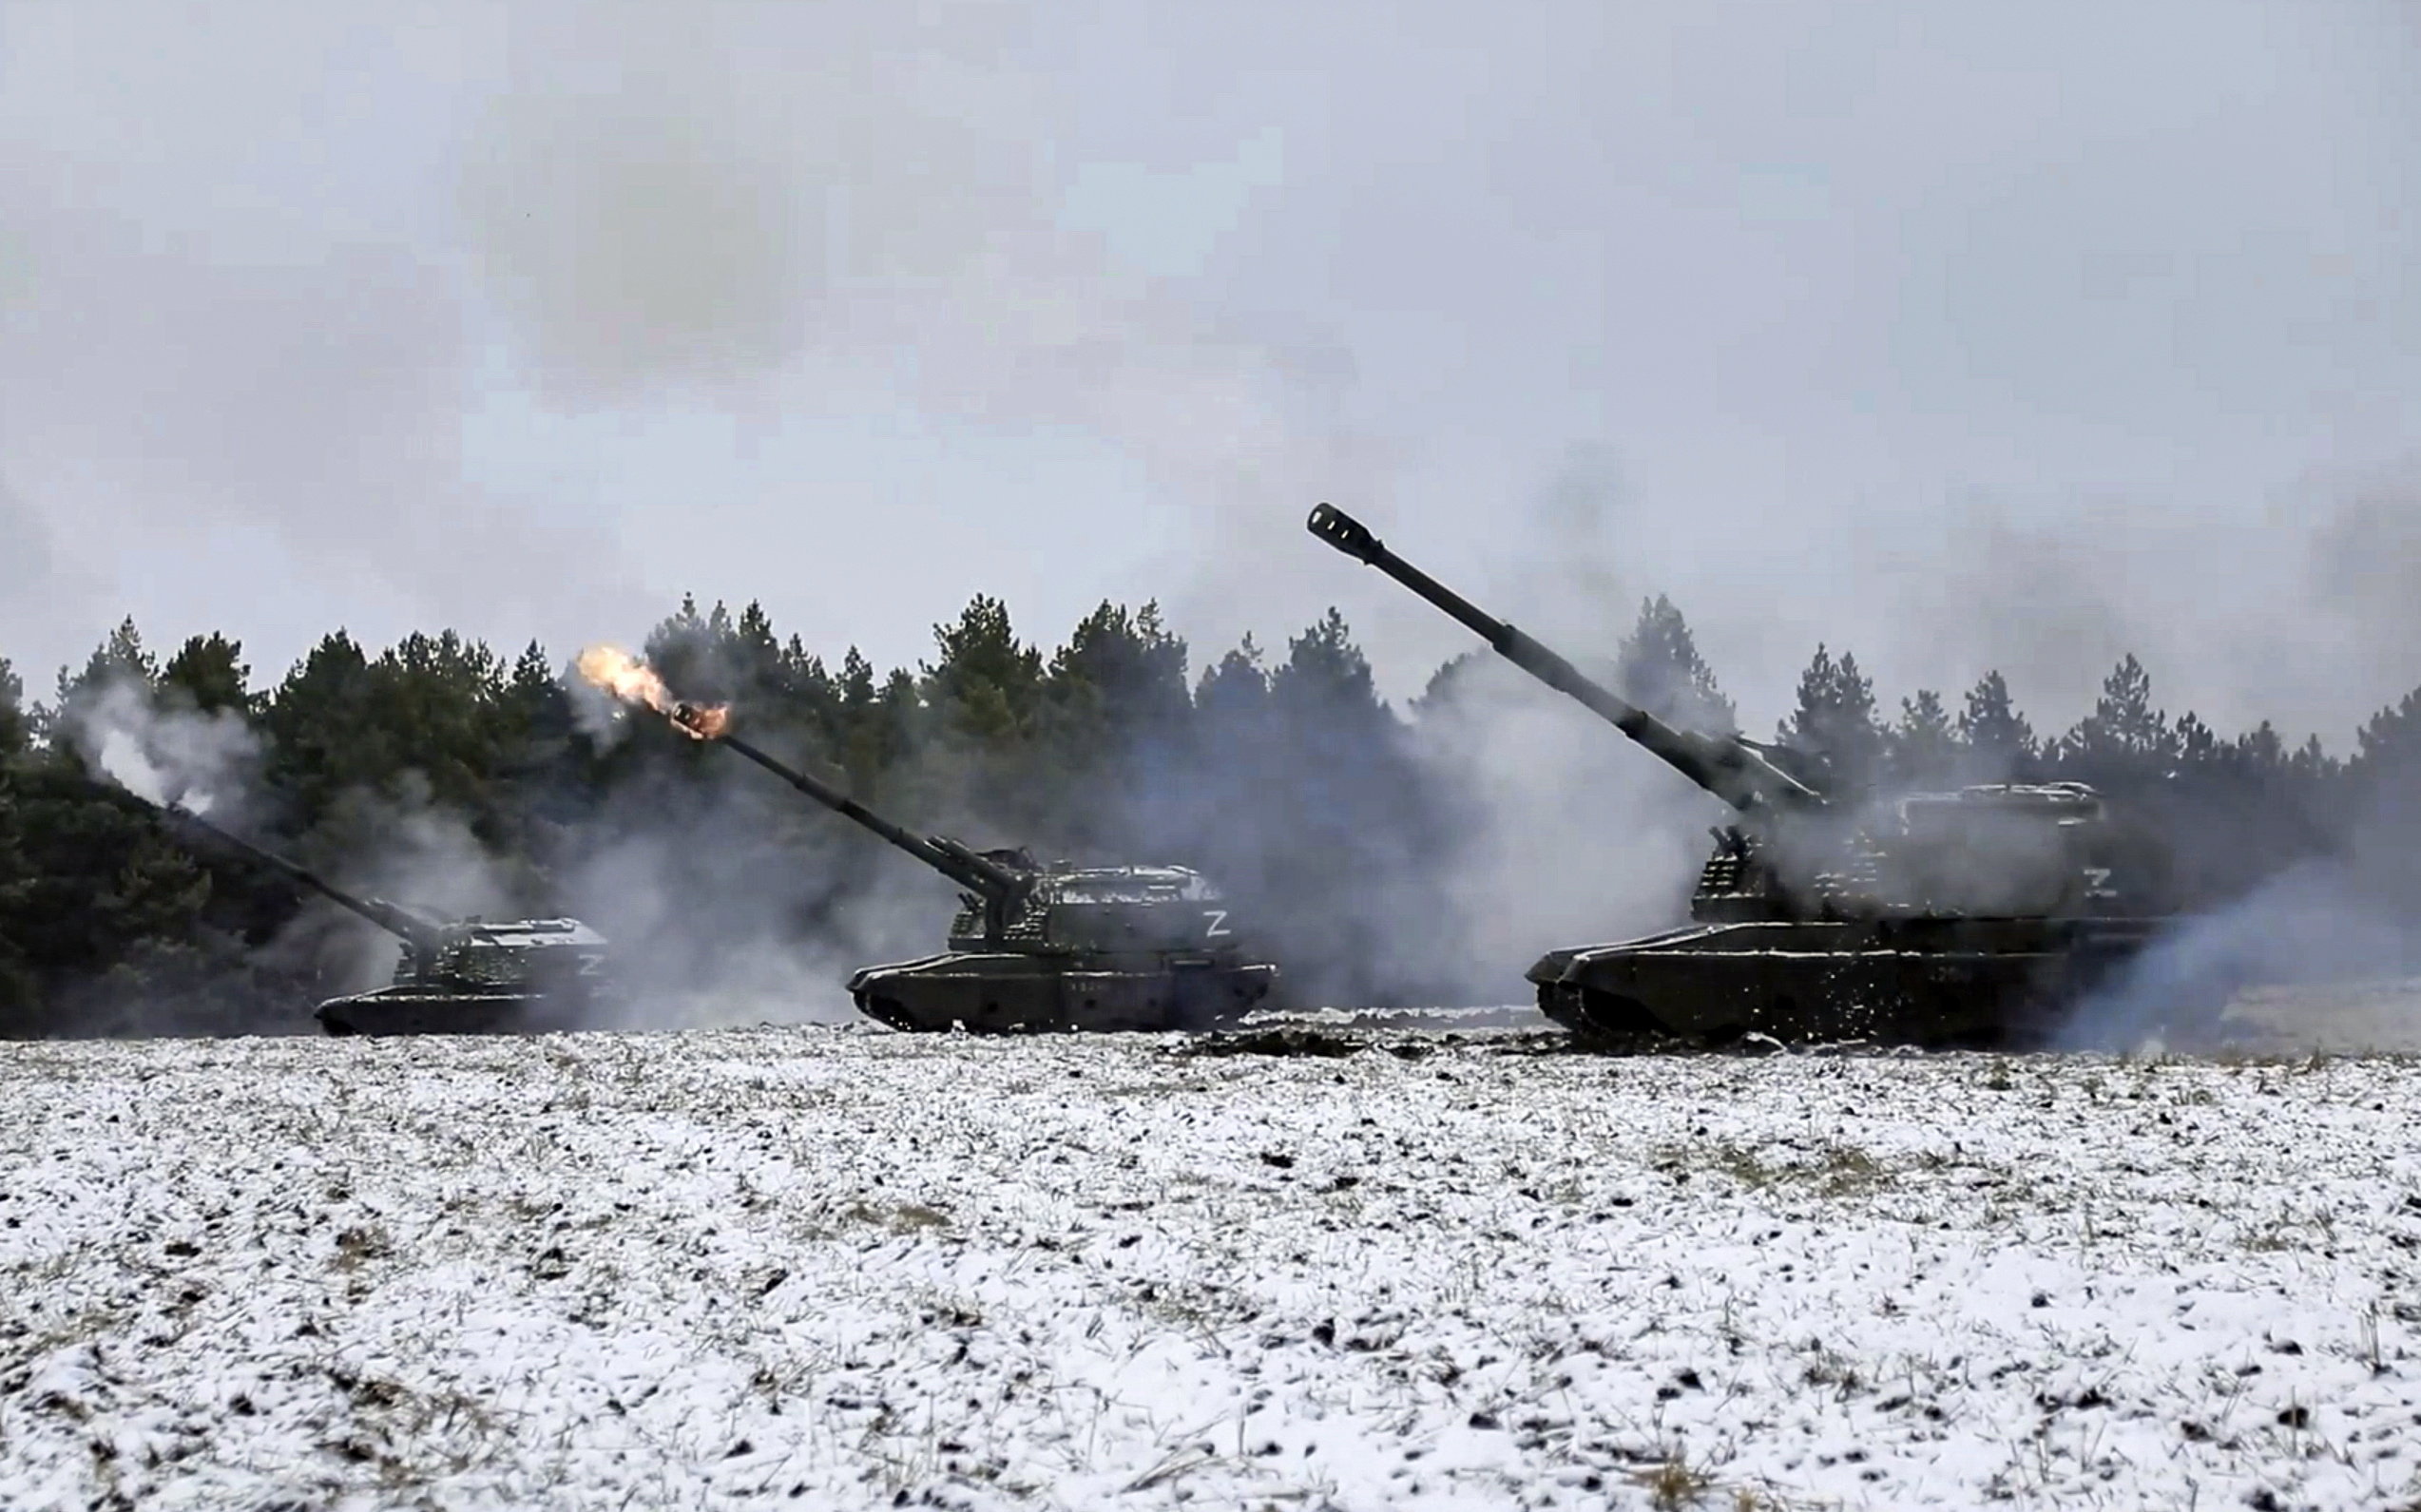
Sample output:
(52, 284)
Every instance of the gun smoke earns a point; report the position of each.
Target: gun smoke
(163, 750)
(1421, 860)
(1927, 334)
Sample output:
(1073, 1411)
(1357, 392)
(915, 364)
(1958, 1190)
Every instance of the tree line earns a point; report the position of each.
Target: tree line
(1322, 810)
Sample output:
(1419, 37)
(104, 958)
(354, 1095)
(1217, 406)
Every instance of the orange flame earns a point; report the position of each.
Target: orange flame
(634, 681)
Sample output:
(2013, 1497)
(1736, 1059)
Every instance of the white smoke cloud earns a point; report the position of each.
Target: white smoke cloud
(1579, 835)
(163, 750)
(2250, 973)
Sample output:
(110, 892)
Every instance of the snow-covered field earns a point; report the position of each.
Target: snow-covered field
(857, 1269)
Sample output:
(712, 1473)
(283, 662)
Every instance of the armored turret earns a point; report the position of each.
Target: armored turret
(1978, 914)
(453, 976)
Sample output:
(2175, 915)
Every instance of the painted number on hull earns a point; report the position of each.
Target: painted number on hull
(1217, 918)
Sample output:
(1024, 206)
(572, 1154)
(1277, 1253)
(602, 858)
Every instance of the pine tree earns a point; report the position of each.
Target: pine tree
(535, 699)
(985, 685)
(2262, 751)
(2197, 743)
(2312, 759)
(901, 719)
(1120, 676)
(683, 651)
(1447, 685)
(104, 908)
(1999, 741)
(1236, 692)
(122, 656)
(1116, 721)
(765, 678)
(859, 731)
(538, 726)
(17, 986)
(1835, 722)
(813, 699)
(2124, 738)
(857, 683)
(438, 702)
(121, 661)
(2389, 746)
(2383, 787)
(208, 672)
(1925, 746)
(1326, 678)
(322, 740)
(1659, 669)
(14, 729)
(1327, 827)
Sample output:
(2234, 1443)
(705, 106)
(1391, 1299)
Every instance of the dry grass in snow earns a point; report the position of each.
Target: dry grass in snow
(849, 1268)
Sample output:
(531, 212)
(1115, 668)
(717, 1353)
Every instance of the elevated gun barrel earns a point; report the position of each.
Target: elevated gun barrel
(1729, 768)
(396, 920)
(956, 862)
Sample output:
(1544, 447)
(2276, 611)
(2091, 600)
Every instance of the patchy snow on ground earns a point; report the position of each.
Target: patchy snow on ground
(838, 1267)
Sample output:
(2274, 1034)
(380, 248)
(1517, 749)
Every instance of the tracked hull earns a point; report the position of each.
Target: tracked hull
(1009, 993)
(409, 1010)
(1942, 982)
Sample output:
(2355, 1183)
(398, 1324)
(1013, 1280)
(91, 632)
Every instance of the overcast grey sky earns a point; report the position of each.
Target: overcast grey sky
(1960, 336)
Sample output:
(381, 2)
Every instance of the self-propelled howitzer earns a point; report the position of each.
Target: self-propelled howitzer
(1977, 915)
(453, 976)
(1038, 949)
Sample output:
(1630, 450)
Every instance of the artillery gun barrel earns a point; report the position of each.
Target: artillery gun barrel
(1730, 768)
(960, 865)
(396, 920)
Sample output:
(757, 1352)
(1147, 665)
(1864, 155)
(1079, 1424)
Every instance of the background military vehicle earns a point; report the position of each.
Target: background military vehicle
(453, 976)
(1978, 915)
(1040, 947)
